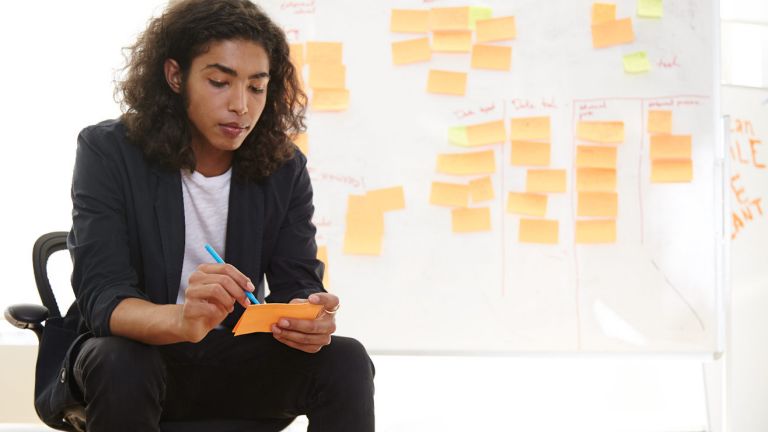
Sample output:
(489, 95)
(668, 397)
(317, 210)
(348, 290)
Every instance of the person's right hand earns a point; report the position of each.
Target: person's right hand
(210, 296)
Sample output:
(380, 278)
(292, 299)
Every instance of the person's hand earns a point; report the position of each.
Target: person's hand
(210, 296)
(309, 335)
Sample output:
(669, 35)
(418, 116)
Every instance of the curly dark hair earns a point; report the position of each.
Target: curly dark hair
(156, 117)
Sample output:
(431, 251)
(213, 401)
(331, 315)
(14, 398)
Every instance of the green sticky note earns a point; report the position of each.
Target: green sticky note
(650, 8)
(457, 135)
(636, 63)
(478, 13)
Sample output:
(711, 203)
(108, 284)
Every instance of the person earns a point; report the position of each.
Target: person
(203, 154)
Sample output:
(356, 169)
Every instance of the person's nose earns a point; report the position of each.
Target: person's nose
(238, 101)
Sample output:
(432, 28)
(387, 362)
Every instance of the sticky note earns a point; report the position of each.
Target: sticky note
(595, 157)
(600, 131)
(466, 220)
(636, 62)
(483, 162)
(452, 41)
(449, 194)
(595, 231)
(297, 55)
(670, 147)
(259, 318)
(387, 199)
(302, 142)
(322, 255)
(650, 8)
(530, 128)
(660, 121)
(496, 29)
(363, 217)
(530, 153)
(595, 180)
(538, 231)
(411, 51)
(409, 21)
(486, 133)
(603, 13)
(491, 57)
(446, 82)
(671, 171)
(457, 135)
(612, 33)
(481, 189)
(362, 243)
(527, 204)
(327, 76)
(597, 204)
(330, 99)
(545, 180)
(323, 52)
(478, 13)
(449, 18)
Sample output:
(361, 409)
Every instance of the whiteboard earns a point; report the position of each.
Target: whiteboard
(430, 290)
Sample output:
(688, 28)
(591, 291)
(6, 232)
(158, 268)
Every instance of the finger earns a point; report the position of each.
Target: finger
(298, 300)
(212, 293)
(325, 325)
(306, 347)
(232, 287)
(329, 301)
(228, 269)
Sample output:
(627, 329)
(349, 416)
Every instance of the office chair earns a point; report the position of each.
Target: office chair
(36, 318)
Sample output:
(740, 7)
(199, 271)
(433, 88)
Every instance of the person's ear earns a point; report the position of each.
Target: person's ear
(172, 74)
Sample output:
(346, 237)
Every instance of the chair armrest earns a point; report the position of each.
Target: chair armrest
(26, 316)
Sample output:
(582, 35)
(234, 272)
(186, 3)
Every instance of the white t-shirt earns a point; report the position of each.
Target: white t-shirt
(206, 206)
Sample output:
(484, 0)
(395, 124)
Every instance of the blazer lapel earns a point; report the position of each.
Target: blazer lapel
(169, 210)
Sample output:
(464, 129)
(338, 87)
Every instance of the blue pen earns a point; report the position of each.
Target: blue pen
(218, 259)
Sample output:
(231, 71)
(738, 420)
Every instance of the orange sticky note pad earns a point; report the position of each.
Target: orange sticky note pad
(491, 57)
(543, 181)
(530, 153)
(449, 18)
(595, 231)
(598, 204)
(323, 52)
(660, 121)
(387, 199)
(538, 231)
(611, 33)
(449, 194)
(531, 128)
(483, 162)
(330, 99)
(671, 171)
(446, 82)
(465, 220)
(409, 21)
(452, 41)
(486, 133)
(259, 318)
(481, 189)
(322, 255)
(527, 204)
(411, 51)
(327, 76)
(595, 157)
(595, 180)
(603, 12)
(600, 131)
(496, 29)
(670, 147)
(302, 142)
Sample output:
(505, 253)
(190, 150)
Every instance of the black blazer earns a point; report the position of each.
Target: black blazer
(127, 237)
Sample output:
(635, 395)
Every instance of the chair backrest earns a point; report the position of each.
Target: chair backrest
(44, 247)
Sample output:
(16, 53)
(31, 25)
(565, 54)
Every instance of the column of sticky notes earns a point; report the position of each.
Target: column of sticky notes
(327, 74)
(670, 154)
(364, 231)
(608, 31)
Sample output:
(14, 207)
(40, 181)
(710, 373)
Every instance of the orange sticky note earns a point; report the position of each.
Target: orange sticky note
(449, 194)
(409, 21)
(483, 162)
(496, 29)
(660, 121)
(302, 142)
(595, 157)
(464, 220)
(363, 216)
(603, 13)
(671, 171)
(452, 41)
(297, 55)
(387, 199)
(670, 147)
(486, 133)
(327, 76)
(530, 153)
(531, 128)
(481, 189)
(323, 52)
(538, 231)
(545, 180)
(600, 131)
(527, 204)
(595, 180)
(598, 204)
(611, 33)
(446, 82)
(449, 18)
(259, 318)
(595, 231)
(411, 51)
(362, 243)
(322, 255)
(491, 57)
(330, 99)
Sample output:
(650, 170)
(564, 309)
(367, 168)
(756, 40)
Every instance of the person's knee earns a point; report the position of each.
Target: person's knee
(120, 363)
(352, 364)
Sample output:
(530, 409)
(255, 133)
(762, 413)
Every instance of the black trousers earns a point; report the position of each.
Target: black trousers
(130, 386)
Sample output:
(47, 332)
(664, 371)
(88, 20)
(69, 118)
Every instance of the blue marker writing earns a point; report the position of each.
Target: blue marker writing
(218, 259)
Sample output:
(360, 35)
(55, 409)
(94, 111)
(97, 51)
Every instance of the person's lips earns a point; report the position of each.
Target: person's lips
(233, 129)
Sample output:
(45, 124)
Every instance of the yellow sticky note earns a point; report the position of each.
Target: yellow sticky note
(527, 204)
(670, 147)
(452, 41)
(595, 157)
(483, 162)
(486, 133)
(612, 33)
(603, 12)
(597, 204)
(660, 121)
(671, 171)
(363, 217)
(457, 135)
(302, 142)
(481, 189)
(595, 231)
(409, 21)
(530, 153)
(411, 51)
(595, 180)
(449, 18)
(530, 128)
(330, 99)
(449, 194)
(491, 57)
(327, 76)
(600, 131)
(297, 55)
(322, 255)
(362, 243)
(323, 52)
(259, 318)
(636, 62)
(545, 180)
(465, 220)
(538, 231)
(387, 199)
(650, 8)
(446, 82)
(478, 13)
(496, 29)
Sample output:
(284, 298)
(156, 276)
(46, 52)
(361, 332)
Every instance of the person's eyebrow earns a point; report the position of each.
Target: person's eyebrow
(232, 72)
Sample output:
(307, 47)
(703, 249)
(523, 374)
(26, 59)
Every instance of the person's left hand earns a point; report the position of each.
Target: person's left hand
(309, 335)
